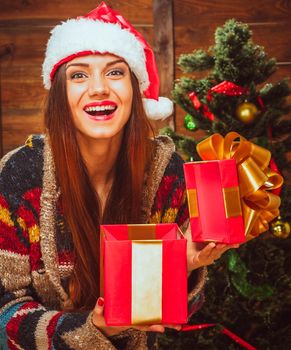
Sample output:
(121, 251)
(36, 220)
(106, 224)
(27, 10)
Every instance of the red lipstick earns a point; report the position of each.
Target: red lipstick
(100, 110)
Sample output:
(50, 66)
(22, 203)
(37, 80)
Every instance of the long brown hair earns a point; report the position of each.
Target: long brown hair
(79, 199)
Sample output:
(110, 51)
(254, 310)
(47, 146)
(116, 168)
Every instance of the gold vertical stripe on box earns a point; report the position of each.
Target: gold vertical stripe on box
(146, 303)
(192, 203)
(232, 203)
(141, 231)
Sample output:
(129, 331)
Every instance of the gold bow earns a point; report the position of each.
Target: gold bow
(259, 206)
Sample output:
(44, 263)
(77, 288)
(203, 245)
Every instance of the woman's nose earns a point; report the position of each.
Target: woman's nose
(98, 86)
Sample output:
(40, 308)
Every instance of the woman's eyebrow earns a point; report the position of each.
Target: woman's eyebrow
(77, 64)
(114, 62)
(87, 65)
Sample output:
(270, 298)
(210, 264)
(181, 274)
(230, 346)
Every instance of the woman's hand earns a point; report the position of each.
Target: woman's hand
(99, 321)
(203, 254)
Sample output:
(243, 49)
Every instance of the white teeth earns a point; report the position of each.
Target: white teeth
(100, 108)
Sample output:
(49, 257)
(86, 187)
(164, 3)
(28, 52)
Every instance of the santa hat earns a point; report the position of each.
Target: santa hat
(104, 30)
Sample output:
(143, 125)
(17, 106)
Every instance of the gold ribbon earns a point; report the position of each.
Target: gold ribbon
(141, 231)
(192, 202)
(231, 201)
(146, 302)
(259, 206)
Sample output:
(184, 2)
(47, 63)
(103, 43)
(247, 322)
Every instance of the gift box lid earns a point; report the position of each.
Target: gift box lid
(141, 232)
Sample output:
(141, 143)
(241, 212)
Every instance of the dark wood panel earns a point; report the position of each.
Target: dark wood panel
(164, 49)
(18, 126)
(138, 11)
(22, 101)
(16, 73)
(283, 71)
(190, 12)
(28, 43)
(21, 95)
(274, 37)
(164, 36)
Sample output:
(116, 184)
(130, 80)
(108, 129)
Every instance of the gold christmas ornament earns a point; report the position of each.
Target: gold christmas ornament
(280, 228)
(246, 112)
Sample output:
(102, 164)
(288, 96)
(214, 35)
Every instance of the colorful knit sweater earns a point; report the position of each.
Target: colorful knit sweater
(36, 258)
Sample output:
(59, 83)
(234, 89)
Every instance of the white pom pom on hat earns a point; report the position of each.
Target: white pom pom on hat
(104, 30)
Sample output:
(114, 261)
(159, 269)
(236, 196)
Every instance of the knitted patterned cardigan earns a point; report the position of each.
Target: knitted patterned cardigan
(36, 257)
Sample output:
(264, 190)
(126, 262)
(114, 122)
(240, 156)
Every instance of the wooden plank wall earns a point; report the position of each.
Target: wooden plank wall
(24, 31)
(24, 27)
(196, 21)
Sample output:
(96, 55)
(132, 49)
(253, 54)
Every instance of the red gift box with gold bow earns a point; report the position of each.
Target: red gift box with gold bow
(230, 193)
(144, 271)
(214, 201)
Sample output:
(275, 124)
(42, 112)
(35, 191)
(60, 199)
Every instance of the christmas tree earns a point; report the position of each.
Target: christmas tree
(248, 291)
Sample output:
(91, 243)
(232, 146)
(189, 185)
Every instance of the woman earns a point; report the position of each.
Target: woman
(96, 164)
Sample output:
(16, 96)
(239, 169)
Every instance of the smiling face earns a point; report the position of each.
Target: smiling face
(100, 95)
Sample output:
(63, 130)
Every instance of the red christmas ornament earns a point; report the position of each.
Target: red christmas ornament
(198, 104)
(227, 88)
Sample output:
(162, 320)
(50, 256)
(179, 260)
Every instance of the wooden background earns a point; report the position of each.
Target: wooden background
(172, 27)
(270, 21)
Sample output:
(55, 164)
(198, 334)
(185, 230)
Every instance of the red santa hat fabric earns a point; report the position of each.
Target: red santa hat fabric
(104, 30)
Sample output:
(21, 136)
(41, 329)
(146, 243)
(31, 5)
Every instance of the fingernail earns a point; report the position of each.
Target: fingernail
(100, 302)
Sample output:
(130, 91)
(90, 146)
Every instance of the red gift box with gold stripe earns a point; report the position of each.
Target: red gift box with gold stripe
(144, 271)
(214, 201)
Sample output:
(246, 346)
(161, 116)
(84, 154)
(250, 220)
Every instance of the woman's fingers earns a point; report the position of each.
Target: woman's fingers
(160, 328)
(174, 326)
(205, 255)
(155, 328)
(222, 248)
(210, 253)
(98, 321)
(98, 311)
(99, 307)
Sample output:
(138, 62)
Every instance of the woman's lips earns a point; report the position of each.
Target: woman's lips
(101, 111)
(102, 117)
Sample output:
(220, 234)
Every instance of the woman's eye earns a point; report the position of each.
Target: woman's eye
(115, 72)
(78, 75)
